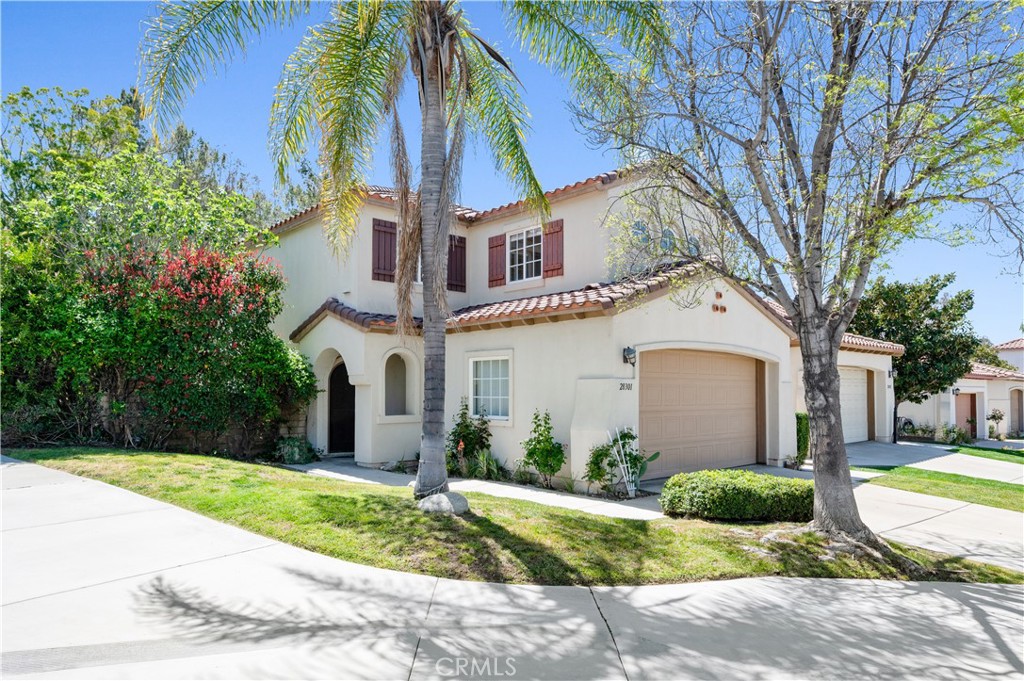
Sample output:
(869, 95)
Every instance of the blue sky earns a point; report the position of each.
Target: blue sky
(94, 45)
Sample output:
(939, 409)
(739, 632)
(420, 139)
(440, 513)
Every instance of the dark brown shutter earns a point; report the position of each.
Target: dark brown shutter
(385, 249)
(496, 261)
(553, 252)
(456, 263)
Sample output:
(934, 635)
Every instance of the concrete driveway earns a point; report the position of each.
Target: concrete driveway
(933, 458)
(99, 582)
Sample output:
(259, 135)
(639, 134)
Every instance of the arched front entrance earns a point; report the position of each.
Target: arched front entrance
(1016, 411)
(341, 436)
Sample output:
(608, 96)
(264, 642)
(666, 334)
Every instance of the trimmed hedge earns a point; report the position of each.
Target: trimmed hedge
(738, 495)
(803, 437)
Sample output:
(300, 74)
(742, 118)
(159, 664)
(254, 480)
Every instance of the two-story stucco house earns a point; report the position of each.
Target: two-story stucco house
(538, 323)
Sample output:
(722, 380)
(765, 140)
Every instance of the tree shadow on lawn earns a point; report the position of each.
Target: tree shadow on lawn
(486, 546)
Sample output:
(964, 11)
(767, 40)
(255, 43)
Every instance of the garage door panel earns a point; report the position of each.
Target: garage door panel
(853, 403)
(698, 409)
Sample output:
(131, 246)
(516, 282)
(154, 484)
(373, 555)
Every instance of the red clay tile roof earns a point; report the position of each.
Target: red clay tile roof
(598, 297)
(380, 193)
(594, 181)
(332, 307)
(1015, 344)
(987, 372)
(851, 341)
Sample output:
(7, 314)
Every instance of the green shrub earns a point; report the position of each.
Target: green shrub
(295, 450)
(803, 438)
(738, 495)
(467, 438)
(603, 467)
(543, 453)
(952, 435)
(484, 466)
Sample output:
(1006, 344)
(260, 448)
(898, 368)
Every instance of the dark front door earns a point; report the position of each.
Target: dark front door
(342, 396)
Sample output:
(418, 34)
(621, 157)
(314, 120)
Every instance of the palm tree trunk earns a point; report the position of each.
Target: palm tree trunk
(432, 477)
(835, 508)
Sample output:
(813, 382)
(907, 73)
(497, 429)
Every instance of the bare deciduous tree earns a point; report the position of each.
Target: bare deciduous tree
(789, 146)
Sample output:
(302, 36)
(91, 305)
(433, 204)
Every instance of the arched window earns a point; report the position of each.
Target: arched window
(395, 402)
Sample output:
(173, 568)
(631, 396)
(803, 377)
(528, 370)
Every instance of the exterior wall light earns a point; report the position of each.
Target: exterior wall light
(629, 356)
(955, 391)
(893, 373)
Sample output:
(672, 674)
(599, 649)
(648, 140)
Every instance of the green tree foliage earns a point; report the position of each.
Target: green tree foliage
(933, 328)
(132, 307)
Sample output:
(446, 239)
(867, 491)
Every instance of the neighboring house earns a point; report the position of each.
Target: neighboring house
(1012, 352)
(537, 324)
(969, 401)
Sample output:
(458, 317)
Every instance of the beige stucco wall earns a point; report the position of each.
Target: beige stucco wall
(940, 409)
(574, 369)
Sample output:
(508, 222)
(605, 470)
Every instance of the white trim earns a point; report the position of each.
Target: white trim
(507, 355)
(508, 255)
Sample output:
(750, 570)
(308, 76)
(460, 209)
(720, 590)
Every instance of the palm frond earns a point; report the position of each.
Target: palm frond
(590, 43)
(187, 41)
(364, 45)
(293, 119)
(496, 113)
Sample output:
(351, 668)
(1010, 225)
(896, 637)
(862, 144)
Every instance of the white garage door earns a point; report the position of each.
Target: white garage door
(699, 409)
(853, 402)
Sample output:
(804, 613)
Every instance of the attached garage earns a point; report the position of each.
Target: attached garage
(853, 403)
(699, 409)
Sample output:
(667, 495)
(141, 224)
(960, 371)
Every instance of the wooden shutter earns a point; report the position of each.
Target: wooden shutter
(553, 251)
(456, 263)
(496, 261)
(385, 249)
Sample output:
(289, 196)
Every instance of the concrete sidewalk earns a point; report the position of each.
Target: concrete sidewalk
(645, 508)
(99, 582)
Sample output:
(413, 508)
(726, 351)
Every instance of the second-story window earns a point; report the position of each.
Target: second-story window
(524, 254)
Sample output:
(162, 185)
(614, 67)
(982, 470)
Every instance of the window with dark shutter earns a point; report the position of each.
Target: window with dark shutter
(496, 261)
(456, 263)
(553, 251)
(385, 249)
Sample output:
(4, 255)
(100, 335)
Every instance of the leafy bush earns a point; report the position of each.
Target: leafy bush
(155, 344)
(952, 435)
(467, 438)
(295, 450)
(484, 466)
(543, 453)
(604, 470)
(803, 438)
(738, 495)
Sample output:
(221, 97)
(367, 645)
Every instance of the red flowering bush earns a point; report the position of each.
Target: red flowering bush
(180, 341)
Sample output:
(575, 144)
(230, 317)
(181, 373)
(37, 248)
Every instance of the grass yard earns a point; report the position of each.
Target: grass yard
(994, 493)
(500, 540)
(1009, 455)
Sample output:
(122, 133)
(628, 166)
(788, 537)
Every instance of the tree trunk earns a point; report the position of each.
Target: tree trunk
(895, 422)
(835, 508)
(432, 476)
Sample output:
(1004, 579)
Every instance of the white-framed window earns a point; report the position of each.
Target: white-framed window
(525, 258)
(490, 387)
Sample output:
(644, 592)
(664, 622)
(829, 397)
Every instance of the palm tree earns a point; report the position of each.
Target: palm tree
(343, 82)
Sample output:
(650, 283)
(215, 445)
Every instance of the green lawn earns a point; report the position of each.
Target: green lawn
(995, 493)
(500, 540)
(1009, 455)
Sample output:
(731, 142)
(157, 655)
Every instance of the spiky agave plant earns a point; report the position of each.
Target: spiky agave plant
(344, 81)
